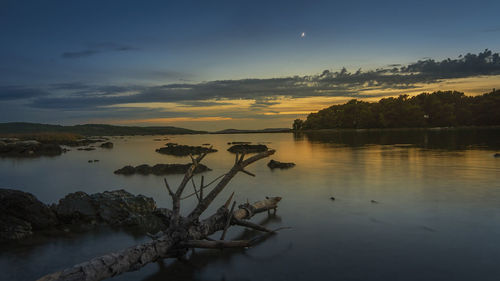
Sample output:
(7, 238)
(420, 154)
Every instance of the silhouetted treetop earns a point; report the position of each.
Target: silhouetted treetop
(438, 109)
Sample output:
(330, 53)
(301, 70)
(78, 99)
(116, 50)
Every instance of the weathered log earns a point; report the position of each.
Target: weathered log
(183, 232)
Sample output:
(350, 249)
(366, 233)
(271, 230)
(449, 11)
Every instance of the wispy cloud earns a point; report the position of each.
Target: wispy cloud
(21, 93)
(96, 49)
(265, 92)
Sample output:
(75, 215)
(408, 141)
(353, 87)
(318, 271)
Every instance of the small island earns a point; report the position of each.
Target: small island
(184, 150)
(160, 169)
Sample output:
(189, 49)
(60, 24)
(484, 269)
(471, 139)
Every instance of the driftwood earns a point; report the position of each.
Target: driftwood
(183, 232)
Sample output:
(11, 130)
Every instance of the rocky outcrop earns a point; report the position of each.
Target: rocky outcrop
(118, 208)
(107, 144)
(184, 150)
(22, 215)
(247, 148)
(280, 165)
(160, 169)
(28, 148)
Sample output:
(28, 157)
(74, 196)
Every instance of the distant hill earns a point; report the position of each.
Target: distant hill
(268, 130)
(91, 129)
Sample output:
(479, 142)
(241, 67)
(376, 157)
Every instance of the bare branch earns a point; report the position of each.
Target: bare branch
(168, 188)
(228, 223)
(216, 244)
(241, 158)
(226, 205)
(195, 191)
(221, 244)
(203, 205)
(250, 225)
(209, 184)
(201, 187)
(187, 176)
(248, 173)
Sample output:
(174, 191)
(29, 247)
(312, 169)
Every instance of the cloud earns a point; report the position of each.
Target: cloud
(79, 54)
(19, 93)
(96, 49)
(264, 92)
(484, 63)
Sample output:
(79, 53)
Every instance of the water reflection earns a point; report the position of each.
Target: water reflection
(192, 267)
(449, 139)
(437, 214)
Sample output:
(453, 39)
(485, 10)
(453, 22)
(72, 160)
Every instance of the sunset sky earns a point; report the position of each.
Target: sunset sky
(230, 64)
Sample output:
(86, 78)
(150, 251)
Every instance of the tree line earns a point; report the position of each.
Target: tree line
(437, 109)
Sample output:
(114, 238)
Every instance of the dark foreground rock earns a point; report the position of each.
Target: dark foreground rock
(496, 155)
(107, 144)
(22, 215)
(247, 148)
(28, 148)
(184, 150)
(280, 165)
(160, 169)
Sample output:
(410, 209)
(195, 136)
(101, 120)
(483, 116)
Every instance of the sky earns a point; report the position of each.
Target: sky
(215, 65)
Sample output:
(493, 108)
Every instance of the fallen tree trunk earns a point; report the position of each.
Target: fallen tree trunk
(183, 232)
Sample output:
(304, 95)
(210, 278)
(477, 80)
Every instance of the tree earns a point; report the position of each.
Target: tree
(297, 124)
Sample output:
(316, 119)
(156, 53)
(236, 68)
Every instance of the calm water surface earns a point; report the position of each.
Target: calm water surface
(437, 215)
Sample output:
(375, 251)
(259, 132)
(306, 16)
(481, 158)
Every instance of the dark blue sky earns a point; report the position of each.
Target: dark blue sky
(67, 49)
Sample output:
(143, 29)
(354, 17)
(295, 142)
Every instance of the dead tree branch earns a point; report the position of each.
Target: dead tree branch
(183, 232)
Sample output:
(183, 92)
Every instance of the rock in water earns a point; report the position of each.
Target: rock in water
(107, 145)
(118, 207)
(30, 148)
(160, 169)
(184, 150)
(76, 207)
(21, 214)
(247, 148)
(280, 165)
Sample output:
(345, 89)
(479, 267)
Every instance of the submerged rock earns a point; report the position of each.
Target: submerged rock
(160, 169)
(247, 148)
(184, 150)
(107, 145)
(29, 148)
(86, 148)
(81, 142)
(239, 142)
(21, 213)
(127, 170)
(280, 165)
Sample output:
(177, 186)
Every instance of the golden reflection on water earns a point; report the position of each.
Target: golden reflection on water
(436, 194)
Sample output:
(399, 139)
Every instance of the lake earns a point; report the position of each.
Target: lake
(409, 205)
